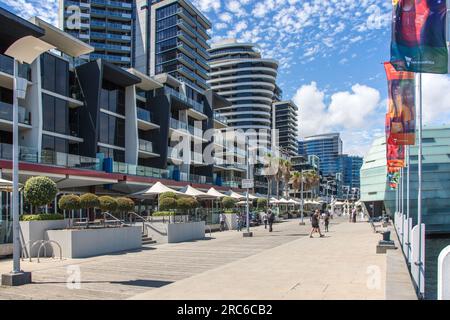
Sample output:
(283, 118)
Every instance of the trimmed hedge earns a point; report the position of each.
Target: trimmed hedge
(107, 203)
(89, 200)
(40, 191)
(163, 213)
(167, 204)
(228, 202)
(69, 202)
(186, 203)
(167, 195)
(41, 217)
(261, 203)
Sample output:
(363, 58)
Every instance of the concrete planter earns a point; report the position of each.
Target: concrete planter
(179, 232)
(93, 242)
(35, 230)
(6, 249)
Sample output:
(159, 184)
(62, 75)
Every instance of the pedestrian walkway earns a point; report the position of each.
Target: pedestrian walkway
(285, 264)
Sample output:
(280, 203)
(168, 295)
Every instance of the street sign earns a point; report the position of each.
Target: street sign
(247, 184)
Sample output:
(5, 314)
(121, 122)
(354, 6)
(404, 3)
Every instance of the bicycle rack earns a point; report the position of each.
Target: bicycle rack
(42, 244)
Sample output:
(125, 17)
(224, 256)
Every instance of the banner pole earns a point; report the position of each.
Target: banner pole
(407, 199)
(419, 189)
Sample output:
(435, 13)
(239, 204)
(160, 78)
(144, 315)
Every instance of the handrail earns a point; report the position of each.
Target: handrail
(114, 218)
(142, 218)
(210, 230)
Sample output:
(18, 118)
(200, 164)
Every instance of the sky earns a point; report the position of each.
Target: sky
(330, 54)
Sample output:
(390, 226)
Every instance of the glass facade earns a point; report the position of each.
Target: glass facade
(55, 74)
(329, 149)
(436, 179)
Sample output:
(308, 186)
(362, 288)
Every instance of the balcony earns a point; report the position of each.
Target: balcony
(145, 120)
(100, 35)
(109, 3)
(111, 47)
(186, 38)
(118, 26)
(178, 125)
(141, 171)
(108, 57)
(146, 149)
(103, 13)
(198, 106)
(6, 113)
(220, 118)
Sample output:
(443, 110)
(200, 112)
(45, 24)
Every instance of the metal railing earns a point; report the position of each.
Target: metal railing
(144, 115)
(6, 113)
(145, 145)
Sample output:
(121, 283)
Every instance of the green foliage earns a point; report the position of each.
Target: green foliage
(167, 204)
(186, 203)
(41, 217)
(125, 204)
(261, 203)
(107, 203)
(163, 213)
(167, 195)
(40, 191)
(228, 202)
(89, 200)
(69, 202)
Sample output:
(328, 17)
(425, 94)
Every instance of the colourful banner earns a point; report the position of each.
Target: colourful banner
(393, 177)
(419, 36)
(401, 106)
(395, 154)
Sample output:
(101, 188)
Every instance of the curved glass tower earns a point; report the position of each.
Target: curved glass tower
(239, 74)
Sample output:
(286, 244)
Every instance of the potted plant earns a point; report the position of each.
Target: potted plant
(69, 202)
(39, 191)
(124, 205)
(167, 203)
(228, 203)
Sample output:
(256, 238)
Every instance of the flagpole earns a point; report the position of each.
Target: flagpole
(419, 193)
(408, 244)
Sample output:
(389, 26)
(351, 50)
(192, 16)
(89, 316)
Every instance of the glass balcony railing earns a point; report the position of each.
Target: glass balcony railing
(102, 35)
(110, 57)
(141, 171)
(7, 66)
(178, 125)
(198, 106)
(144, 115)
(112, 3)
(195, 131)
(110, 46)
(111, 13)
(174, 153)
(146, 146)
(220, 118)
(197, 157)
(6, 113)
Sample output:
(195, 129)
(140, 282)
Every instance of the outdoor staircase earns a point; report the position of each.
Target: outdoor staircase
(147, 240)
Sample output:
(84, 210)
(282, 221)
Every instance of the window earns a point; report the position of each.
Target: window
(55, 115)
(428, 140)
(116, 155)
(55, 74)
(112, 130)
(112, 98)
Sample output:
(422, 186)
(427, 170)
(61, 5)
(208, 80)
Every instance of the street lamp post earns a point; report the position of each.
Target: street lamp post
(248, 233)
(302, 198)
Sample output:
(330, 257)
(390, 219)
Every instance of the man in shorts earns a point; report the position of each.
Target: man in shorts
(315, 224)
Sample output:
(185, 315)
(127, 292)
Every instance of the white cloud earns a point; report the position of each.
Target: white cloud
(436, 98)
(46, 10)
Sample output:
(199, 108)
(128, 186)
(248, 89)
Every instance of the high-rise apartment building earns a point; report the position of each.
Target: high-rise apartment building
(171, 37)
(285, 122)
(107, 25)
(248, 81)
(328, 147)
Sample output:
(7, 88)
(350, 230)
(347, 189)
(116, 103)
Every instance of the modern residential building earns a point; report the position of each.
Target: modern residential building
(107, 25)
(351, 166)
(285, 122)
(240, 74)
(171, 37)
(328, 147)
(376, 193)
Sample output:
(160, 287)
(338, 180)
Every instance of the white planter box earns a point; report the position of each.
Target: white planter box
(35, 230)
(179, 232)
(93, 242)
(6, 249)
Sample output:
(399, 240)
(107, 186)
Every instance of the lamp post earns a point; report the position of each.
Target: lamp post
(248, 187)
(25, 49)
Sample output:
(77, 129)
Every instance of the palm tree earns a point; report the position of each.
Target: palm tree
(279, 175)
(296, 180)
(286, 172)
(269, 171)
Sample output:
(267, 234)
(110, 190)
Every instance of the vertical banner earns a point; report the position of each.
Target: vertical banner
(419, 36)
(401, 106)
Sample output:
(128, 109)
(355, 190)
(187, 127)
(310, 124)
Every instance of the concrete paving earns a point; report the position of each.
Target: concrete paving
(285, 264)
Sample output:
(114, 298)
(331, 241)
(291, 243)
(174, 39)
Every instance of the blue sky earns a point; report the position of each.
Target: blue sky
(330, 54)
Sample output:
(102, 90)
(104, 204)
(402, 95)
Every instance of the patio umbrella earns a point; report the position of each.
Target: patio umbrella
(213, 192)
(235, 195)
(155, 191)
(191, 191)
(274, 201)
(250, 196)
(292, 201)
(283, 201)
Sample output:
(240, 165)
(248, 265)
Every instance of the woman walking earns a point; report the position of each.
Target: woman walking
(315, 224)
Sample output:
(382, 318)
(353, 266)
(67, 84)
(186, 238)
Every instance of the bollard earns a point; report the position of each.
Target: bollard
(387, 236)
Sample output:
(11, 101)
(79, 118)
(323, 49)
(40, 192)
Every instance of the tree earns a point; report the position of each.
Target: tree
(124, 205)
(228, 202)
(186, 203)
(69, 202)
(286, 172)
(107, 204)
(89, 201)
(167, 195)
(40, 191)
(279, 175)
(167, 204)
(261, 204)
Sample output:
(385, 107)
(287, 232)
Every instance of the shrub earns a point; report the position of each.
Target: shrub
(163, 213)
(167, 195)
(261, 203)
(228, 203)
(107, 203)
(88, 201)
(125, 204)
(186, 203)
(167, 204)
(40, 191)
(69, 202)
(40, 217)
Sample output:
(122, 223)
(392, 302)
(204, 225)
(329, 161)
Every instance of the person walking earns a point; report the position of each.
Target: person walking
(315, 224)
(265, 220)
(354, 215)
(239, 221)
(326, 220)
(270, 219)
(222, 221)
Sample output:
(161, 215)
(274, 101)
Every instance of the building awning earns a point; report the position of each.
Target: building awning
(63, 41)
(147, 83)
(14, 28)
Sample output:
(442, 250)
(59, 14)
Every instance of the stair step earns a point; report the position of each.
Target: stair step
(148, 241)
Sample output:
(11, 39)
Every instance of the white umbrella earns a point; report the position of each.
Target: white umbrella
(292, 201)
(191, 191)
(235, 195)
(5, 183)
(213, 192)
(274, 201)
(283, 201)
(155, 190)
(250, 196)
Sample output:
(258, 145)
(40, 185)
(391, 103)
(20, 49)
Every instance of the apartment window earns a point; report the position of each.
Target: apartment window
(56, 115)
(55, 74)
(112, 98)
(166, 11)
(112, 130)
(116, 155)
(166, 34)
(54, 144)
(166, 23)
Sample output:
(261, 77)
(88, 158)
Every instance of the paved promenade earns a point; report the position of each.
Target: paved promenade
(285, 264)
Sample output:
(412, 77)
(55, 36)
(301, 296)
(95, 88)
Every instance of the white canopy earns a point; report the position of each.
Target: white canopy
(273, 201)
(191, 191)
(250, 196)
(156, 190)
(283, 201)
(292, 201)
(5, 183)
(339, 203)
(235, 195)
(214, 193)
